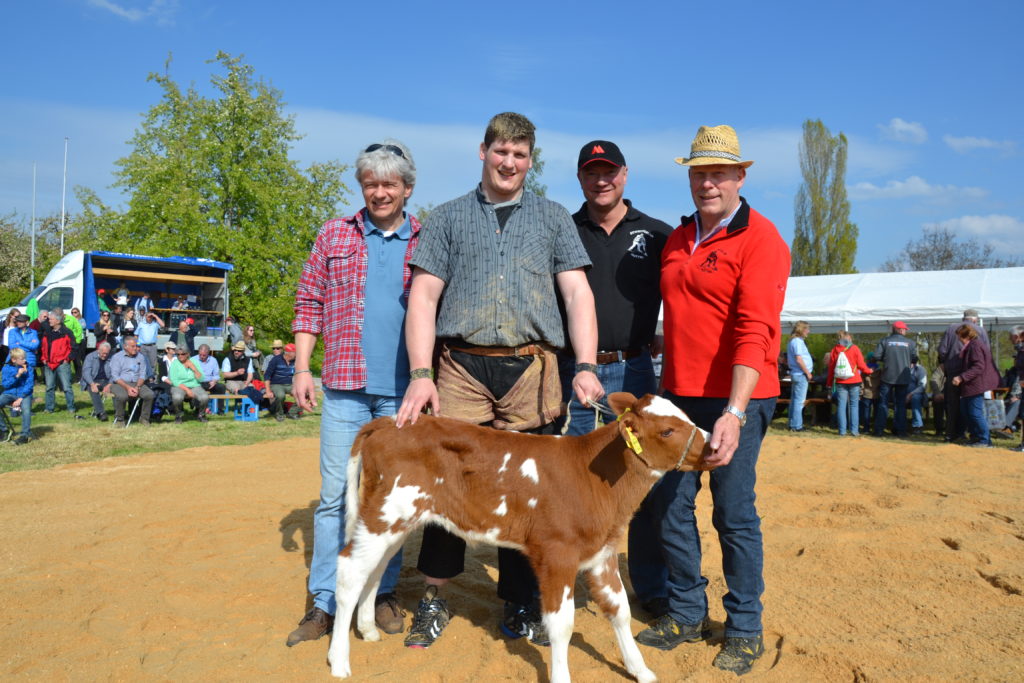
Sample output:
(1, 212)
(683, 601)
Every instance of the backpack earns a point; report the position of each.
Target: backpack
(843, 368)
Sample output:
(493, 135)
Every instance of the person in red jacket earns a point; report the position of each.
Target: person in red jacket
(55, 353)
(848, 380)
(978, 376)
(723, 281)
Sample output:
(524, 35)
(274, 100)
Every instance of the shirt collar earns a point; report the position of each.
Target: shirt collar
(724, 223)
(403, 232)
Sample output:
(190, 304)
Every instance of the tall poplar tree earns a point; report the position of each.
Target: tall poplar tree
(825, 241)
(212, 177)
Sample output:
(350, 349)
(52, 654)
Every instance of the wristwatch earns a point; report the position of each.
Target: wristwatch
(740, 415)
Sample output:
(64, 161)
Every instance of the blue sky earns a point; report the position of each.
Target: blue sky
(928, 93)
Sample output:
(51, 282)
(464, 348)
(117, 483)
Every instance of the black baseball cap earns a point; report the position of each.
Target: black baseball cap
(600, 150)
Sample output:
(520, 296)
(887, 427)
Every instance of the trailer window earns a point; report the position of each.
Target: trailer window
(58, 297)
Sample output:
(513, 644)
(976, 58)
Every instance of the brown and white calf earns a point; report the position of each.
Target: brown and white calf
(563, 501)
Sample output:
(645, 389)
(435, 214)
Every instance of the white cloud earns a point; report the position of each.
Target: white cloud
(161, 10)
(1001, 231)
(914, 186)
(904, 131)
(969, 144)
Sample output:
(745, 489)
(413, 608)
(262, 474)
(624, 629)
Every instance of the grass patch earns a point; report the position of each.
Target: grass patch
(60, 439)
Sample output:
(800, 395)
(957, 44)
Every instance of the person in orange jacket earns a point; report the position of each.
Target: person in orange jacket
(848, 378)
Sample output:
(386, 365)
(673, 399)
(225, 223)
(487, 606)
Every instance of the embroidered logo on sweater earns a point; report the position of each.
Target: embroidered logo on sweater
(710, 264)
(638, 248)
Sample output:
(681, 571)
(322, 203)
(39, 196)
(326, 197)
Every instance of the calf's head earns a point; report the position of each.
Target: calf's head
(660, 434)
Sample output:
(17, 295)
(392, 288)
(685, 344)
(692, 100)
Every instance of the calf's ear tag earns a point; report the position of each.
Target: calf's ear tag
(633, 442)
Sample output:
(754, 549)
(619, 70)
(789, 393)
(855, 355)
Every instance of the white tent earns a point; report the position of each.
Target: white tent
(928, 301)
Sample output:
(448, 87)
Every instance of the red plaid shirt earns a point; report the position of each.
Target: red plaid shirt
(329, 300)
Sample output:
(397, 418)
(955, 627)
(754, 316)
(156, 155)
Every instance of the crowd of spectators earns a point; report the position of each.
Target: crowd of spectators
(126, 367)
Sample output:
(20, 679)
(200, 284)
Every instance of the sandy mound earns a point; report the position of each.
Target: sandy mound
(884, 561)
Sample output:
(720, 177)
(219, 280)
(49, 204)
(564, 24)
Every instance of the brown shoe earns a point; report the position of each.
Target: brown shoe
(390, 617)
(315, 624)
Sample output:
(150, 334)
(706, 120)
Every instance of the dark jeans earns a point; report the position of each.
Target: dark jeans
(442, 554)
(734, 517)
(955, 424)
(899, 419)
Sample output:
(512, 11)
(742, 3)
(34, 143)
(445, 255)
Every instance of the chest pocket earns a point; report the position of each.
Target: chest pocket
(341, 266)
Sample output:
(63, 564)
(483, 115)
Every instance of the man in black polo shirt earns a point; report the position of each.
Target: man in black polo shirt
(624, 246)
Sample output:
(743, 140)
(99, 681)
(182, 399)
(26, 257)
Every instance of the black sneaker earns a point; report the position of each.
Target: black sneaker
(739, 654)
(21, 441)
(431, 617)
(524, 621)
(665, 633)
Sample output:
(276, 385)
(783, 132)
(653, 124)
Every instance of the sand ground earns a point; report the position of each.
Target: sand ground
(884, 561)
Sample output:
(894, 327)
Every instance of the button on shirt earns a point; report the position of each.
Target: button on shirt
(383, 342)
(499, 289)
(128, 369)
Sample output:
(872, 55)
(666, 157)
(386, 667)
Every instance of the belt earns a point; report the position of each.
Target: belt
(605, 357)
(535, 349)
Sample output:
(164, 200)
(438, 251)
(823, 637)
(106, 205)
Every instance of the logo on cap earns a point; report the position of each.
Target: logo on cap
(598, 149)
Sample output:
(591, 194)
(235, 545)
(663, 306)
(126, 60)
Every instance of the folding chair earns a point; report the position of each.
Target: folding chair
(5, 425)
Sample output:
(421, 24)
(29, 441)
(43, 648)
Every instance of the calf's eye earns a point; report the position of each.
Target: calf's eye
(667, 433)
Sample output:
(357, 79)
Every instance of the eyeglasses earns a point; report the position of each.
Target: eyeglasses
(181, 353)
(390, 148)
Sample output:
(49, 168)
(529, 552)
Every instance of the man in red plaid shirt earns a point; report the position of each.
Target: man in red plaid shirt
(353, 293)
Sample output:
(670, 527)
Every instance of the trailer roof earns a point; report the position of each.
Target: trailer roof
(182, 260)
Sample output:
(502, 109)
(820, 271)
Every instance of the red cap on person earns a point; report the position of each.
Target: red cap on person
(289, 347)
(900, 325)
(101, 291)
(190, 321)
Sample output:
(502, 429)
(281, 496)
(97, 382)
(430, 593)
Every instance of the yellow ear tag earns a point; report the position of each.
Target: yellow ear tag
(621, 414)
(633, 442)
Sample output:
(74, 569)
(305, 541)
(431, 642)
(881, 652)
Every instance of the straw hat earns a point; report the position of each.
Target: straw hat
(714, 145)
(238, 346)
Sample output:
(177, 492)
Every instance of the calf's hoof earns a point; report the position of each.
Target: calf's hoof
(646, 676)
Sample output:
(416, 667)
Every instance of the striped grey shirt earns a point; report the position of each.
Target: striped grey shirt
(499, 284)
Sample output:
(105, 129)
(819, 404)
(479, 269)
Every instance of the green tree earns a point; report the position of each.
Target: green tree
(212, 177)
(533, 183)
(825, 241)
(16, 252)
(940, 249)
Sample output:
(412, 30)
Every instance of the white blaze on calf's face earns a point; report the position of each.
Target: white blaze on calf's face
(662, 407)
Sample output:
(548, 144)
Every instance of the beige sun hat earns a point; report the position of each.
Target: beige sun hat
(714, 145)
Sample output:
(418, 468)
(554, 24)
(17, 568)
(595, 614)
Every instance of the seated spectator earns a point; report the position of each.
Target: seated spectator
(279, 382)
(105, 330)
(96, 379)
(211, 371)
(185, 336)
(128, 370)
(180, 304)
(186, 378)
(237, 369)
(916, 394)
(55, 352)
(164, 363)
(276, 349)
(17, 380)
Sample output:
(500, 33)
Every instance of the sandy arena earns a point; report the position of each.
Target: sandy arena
(884, 561)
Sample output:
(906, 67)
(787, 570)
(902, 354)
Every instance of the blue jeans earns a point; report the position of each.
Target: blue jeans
(344, 414)
(63, 375)
(734, 517)
(647, 570)
(916, 402)
(797, 396)
(899, 418)
(973, 410)
(848, 411)
(26, 411)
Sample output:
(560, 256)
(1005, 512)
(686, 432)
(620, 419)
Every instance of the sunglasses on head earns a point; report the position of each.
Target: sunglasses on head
(390, 148)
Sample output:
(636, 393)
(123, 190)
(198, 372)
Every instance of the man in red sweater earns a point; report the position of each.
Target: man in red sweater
(723, 281)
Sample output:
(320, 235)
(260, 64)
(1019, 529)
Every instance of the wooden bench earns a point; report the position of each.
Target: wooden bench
(810, 402)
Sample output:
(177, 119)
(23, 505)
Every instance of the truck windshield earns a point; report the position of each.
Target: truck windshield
(31, 295)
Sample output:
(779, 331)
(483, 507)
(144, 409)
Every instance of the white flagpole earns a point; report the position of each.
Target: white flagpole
(63, 194)
(32, 276)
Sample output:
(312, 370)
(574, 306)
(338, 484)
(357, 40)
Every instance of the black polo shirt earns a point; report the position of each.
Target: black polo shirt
(624, 277)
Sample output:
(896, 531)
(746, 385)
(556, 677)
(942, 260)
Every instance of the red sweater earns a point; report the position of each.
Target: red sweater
(722, 305)
(856, 359)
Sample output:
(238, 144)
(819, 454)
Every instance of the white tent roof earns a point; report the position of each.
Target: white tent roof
(925, 300)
